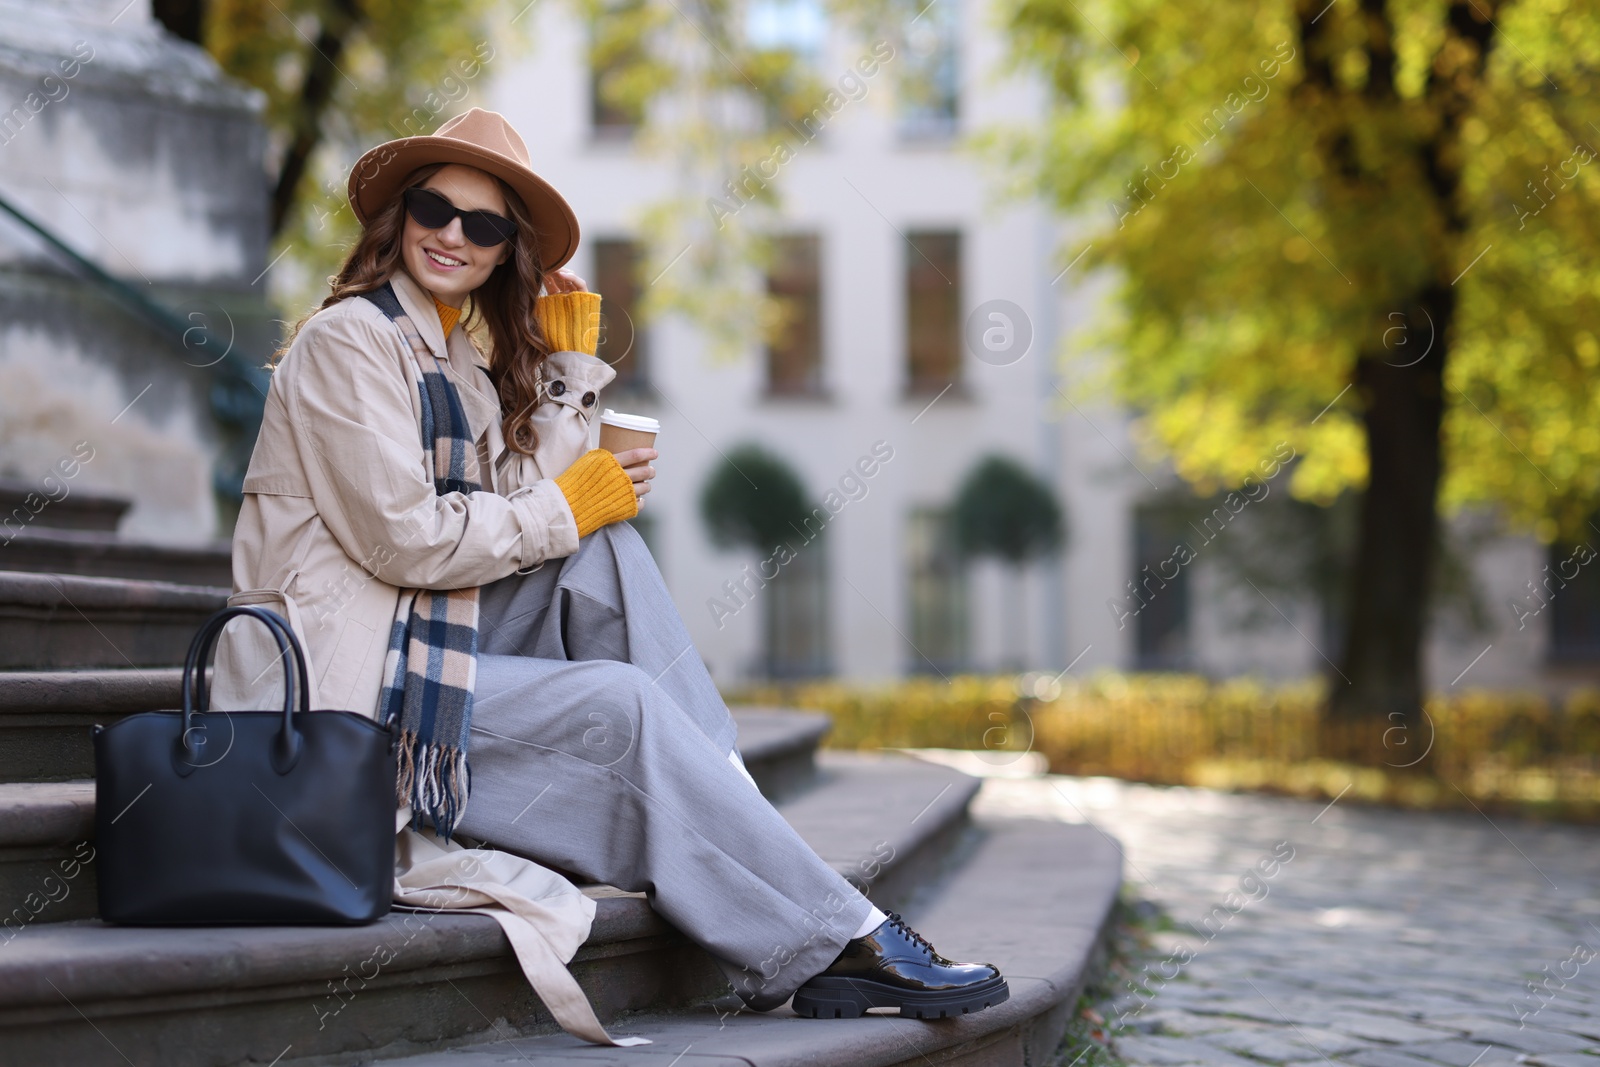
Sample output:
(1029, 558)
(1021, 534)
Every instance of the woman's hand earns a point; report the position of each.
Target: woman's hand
(636, 461)
(564, 281)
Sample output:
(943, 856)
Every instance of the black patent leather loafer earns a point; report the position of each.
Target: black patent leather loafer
(895, 967)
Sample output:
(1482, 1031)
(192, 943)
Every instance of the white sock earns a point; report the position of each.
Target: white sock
(874, 919)
(738, 761)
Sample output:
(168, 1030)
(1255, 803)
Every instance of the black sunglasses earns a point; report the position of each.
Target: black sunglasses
(483, 228)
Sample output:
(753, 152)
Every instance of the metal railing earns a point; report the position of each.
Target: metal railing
(239, 389)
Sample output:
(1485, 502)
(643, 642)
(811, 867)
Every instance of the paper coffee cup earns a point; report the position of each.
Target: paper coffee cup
(620, 432)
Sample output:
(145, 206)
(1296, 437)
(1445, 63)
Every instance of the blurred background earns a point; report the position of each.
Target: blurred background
(1199, 395)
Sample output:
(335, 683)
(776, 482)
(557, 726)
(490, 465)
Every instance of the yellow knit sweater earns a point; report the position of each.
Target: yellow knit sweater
(597, 489)
(447, 315)
(571, 321)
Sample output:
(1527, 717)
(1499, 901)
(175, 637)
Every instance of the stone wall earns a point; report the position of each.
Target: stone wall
(133, 149)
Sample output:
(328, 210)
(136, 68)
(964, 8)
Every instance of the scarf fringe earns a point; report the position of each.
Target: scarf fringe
(434, 780)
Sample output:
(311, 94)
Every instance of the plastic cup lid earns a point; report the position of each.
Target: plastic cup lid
(642, 423)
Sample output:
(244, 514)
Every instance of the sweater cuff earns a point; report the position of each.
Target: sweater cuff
(598, 491)
(571, 321)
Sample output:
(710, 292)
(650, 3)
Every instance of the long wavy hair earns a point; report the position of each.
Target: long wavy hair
(503, 303)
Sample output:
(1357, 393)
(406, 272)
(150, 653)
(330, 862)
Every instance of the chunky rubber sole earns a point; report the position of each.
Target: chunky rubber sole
(849, 998)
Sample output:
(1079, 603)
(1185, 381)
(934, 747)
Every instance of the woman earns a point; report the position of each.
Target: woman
(402, 502)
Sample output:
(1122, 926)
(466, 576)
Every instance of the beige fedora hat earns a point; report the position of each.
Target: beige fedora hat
(482, 139)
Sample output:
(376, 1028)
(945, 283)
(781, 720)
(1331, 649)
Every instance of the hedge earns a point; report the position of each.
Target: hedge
(1496, 751)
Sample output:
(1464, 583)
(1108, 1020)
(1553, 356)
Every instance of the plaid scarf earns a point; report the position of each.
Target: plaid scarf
(432, 665)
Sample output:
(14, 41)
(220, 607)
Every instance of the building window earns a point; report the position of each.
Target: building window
(613, 113)
(788, 38)
(933, 311)
(622, 340)
(1574, 604)
(797, 616)
(929, 82)
(1159, 597)
(794, 352)
(938, 590)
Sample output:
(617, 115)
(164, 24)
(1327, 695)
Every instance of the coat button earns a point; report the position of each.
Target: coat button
(558, 387)
(588, 399)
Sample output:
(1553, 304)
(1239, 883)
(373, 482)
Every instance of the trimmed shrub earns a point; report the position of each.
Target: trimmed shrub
(1517, 752)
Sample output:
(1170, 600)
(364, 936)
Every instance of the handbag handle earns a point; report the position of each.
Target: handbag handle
(286, 747)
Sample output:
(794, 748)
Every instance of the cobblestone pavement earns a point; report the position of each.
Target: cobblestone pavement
(1342, 934)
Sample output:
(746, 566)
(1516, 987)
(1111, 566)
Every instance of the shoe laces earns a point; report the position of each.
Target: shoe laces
(900, 924)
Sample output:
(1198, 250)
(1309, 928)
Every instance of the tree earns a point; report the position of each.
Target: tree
(1002, 510)
(1358, 227)
(754, 500)
(339, 76)
(182, 18)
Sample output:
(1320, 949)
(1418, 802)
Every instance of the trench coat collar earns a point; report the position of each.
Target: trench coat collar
(418, 303)
(478, 397)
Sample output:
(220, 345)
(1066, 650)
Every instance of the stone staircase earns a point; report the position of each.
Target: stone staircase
(1032, 897)
(77, 534)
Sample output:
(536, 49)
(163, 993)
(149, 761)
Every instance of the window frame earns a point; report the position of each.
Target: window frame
(814, 385)
(638, 380)
(936, 123)
(916, 317)
(942, 566)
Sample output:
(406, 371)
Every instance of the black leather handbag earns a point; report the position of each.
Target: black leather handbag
(242, 817)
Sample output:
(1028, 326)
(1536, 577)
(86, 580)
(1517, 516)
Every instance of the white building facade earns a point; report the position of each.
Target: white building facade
(898, 238)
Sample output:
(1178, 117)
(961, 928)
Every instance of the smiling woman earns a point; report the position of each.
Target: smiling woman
(450, 248)
(403, 497)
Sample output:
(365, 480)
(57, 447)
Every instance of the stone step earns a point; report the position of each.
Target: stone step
(25, 506)
(1032, 897)
(86, 993)
(45, 716)
(46, 854)
(896, 843)
(212, 995)
(56, 621)
(45, 719)
(47, 828)
(779, 746)
(97, 553)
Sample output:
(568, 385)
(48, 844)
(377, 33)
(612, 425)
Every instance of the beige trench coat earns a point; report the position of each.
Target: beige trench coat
(339, 513)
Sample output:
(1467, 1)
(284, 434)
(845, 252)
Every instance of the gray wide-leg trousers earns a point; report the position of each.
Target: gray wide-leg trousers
(600, 745)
